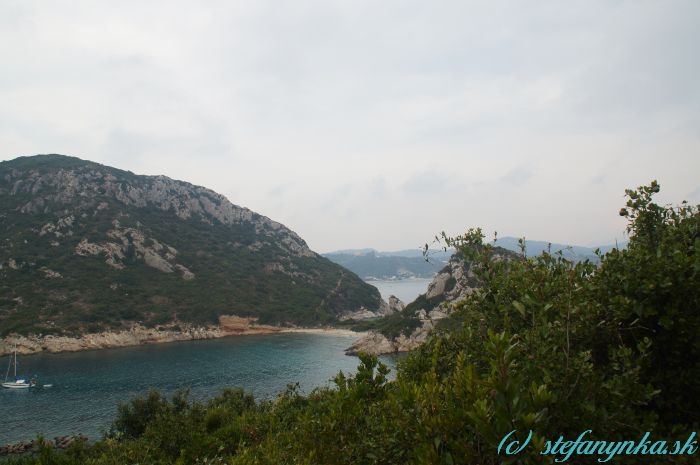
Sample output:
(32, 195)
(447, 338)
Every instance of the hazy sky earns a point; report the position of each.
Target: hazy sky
(370, 123)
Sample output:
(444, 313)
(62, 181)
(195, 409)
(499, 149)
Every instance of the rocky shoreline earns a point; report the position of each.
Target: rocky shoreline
(453, 283)
(140, 335)
(59, 442)
(375, 343)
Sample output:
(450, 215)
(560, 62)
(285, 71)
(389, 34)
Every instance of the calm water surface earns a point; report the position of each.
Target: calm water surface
(405, 289)
(87, 386)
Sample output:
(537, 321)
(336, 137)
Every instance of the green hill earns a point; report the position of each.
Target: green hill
(85, 247)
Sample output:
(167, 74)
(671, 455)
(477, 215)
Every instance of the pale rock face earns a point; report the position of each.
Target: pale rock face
(361, 314)
(154, 260)
(437, 286)
(186, 274)
(417, 337)
(111, 251)
(136, 335)
(50, 274)
(394, 305)
(374, 343)
(439, 313)
(47, 228)
(465, 282)
(156, 255)
(186, 200)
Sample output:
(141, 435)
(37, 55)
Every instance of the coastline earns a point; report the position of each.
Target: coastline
(329, 331)
(228, 326)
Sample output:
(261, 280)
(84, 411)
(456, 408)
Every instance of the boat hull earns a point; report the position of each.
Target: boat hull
(16, 385)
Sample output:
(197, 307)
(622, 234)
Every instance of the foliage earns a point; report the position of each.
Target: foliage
(656, 282)
(544, 345)
(237, 267)
(391, 326)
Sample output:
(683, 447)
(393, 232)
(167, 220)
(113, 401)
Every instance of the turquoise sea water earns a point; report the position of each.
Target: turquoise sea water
(87, 386)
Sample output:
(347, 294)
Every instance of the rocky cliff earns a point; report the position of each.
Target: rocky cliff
(86, 248)
(406, 329)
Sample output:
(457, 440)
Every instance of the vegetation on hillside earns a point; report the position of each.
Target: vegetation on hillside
(407, 320)
(545, 345)
(243, 268)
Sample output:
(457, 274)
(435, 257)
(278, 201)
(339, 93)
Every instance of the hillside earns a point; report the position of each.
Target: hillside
(546, 346)
(405, 330)
(86, 247)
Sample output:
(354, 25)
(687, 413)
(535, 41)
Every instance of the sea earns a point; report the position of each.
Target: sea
(88, 386)
(405, 289)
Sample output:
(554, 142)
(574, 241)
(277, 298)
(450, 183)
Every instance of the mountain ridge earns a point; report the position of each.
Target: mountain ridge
(85, 247)
(372, 264)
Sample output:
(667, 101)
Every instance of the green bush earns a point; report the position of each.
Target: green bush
(544, 345)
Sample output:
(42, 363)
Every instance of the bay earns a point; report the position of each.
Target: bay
(87, 386)
(405, 289)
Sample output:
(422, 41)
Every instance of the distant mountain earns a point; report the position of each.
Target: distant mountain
(571, 252)
(85, 247)
(371, 264)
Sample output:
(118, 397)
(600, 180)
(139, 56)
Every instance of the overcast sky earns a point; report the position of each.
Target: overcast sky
(370, 123)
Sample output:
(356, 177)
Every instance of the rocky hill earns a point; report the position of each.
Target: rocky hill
(405, 330)
(85, 248)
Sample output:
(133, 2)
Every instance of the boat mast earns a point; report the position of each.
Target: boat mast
(9, 365)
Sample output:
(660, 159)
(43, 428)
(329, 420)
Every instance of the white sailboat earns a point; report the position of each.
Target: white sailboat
(18, 383)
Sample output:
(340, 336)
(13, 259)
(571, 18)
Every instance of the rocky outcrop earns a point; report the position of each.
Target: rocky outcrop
(361, 314)
(229, 325)
(153, 253)
(79, 186)
(385, 308)
(375, 343)
(59, 442)
(395, 304)
(452, 284)
(50, 274)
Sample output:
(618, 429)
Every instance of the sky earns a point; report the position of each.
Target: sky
(371, 124)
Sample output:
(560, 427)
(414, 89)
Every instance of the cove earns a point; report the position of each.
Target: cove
(87, 386)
